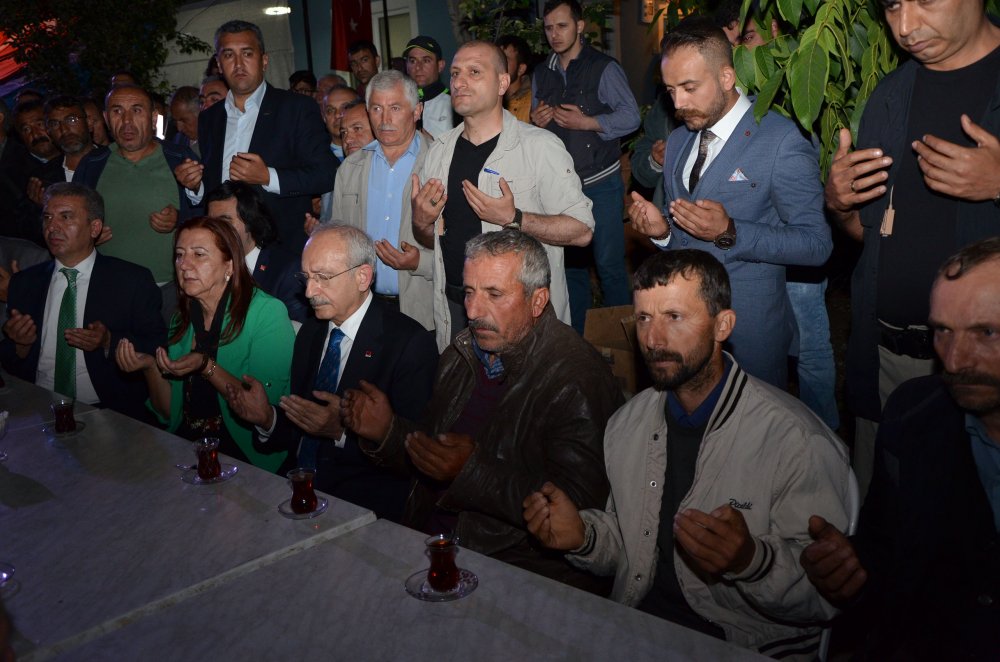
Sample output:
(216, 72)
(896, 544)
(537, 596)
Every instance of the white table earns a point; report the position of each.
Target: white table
(29, 404)
(344, 600)
(101, 529)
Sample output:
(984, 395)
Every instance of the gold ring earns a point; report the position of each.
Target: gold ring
(434, 203)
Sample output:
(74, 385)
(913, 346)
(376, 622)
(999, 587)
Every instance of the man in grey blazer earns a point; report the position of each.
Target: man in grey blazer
(747, 192)
(373, 190)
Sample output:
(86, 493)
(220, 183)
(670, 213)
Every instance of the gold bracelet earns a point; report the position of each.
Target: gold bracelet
(207, 374)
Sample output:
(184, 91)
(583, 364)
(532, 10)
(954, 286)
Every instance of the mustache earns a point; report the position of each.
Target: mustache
(483, 325)
(40, 140)
(386, 127)
(687, 114)
(970, 378)
(318, 301)
(656, 355)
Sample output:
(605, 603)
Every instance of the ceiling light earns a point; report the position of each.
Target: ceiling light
(278, 10)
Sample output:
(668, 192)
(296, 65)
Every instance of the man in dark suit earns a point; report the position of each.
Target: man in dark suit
(747, 192)
(271, 138)
(67, 313)
(354, 338)
(272, 267)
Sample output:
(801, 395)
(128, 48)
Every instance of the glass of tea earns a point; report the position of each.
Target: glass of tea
(442, 549)
(303, 497)
(207, 450)
(62, 409)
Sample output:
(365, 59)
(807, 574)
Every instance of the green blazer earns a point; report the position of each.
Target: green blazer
(264, 350)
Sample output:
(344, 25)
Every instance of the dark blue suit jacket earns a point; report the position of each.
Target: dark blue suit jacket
(275, 274)
(391, 351)
(291, 138)
(767, 178)
(124, 297)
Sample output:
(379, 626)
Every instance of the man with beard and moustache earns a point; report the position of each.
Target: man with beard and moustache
(519, 398)
(373, 193)
(41, 165)
(749, 193)
(923, 571)
(710, 470)
(352, 337)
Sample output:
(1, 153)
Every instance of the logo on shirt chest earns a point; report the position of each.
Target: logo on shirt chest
(742, 505)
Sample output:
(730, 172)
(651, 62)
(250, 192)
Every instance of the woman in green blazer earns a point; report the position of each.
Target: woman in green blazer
(224, 328)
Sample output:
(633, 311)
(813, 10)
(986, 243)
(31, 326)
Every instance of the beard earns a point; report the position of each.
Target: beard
(696, 120)
(690, 370)
(976, 402)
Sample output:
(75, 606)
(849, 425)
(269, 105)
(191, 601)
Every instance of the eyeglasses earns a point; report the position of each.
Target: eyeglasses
(68, 121)
(320, 277)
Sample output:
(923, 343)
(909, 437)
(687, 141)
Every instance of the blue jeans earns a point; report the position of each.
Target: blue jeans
(816, 368)
(608, 247)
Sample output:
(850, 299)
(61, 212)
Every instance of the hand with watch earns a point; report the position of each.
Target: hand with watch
(706, 220)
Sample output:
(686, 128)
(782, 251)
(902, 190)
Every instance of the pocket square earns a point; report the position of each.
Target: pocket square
(738, 176)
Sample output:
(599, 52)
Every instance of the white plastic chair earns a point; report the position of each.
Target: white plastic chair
(853, 508)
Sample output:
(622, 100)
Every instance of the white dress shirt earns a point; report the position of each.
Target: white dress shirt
(46, 371)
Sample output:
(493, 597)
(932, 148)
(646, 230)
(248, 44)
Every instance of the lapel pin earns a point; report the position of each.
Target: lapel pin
(368, 353)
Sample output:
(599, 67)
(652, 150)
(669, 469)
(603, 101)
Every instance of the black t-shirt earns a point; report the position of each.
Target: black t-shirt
(460, 222)
(925, 228)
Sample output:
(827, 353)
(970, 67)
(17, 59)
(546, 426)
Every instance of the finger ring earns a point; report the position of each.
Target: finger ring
(852, 187)
(434, 203)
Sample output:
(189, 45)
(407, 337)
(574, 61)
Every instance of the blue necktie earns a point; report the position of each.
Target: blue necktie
(326, 380)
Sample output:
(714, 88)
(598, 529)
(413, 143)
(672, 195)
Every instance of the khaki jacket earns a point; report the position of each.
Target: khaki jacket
(541, 176)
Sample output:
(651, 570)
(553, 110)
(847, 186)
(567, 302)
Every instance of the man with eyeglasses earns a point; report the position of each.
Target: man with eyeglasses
(353, 338)
(66, 125)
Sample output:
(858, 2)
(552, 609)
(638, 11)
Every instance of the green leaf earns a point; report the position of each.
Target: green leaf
(746, 70)
(791, 11)
(807, 75)
(768, 90)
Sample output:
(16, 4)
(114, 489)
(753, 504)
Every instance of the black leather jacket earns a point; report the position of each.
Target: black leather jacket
(549, 425)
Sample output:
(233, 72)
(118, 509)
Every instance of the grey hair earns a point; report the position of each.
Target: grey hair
(92, 200)
(535, 271)
(387, 80)
(360, 247)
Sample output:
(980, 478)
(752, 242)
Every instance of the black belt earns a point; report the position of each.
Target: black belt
(455, 294)
(914, 341)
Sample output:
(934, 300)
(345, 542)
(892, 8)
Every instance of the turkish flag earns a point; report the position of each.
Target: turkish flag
(352, 21)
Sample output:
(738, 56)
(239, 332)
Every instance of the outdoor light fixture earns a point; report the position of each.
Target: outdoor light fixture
(279, 10)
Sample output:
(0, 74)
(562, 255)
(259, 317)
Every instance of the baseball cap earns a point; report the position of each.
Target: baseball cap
(429, 44)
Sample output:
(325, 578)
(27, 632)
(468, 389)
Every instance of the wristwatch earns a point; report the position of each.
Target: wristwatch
(727, 238)
(518, 217)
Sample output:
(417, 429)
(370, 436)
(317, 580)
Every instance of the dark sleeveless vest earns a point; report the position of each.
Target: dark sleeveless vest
(593, 157)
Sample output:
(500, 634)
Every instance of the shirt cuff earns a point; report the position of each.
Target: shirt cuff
(195, 196)
(265, 433)
(273, 185)
(656, 167)
(759, 566)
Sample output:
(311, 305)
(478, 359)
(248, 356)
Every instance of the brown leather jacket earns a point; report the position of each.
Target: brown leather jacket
(549, 425)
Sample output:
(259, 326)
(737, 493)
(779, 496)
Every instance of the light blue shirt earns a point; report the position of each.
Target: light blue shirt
(986, 453)
(384, 205)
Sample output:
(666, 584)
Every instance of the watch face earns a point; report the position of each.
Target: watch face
(725, 241)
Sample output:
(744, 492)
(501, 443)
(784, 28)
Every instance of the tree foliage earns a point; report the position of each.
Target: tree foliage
(491, 19)
(821, 71)
(75, 47)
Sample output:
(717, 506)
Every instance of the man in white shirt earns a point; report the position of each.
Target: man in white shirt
(66, 314)
(353, 337)
(270, 138)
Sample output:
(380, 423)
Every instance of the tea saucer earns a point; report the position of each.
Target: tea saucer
(50, 430)
(191, 475)
(285, 508)
(417, 586)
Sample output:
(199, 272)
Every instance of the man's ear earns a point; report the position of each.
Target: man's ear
(539, 299)
(725, 321)
(440, 65)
